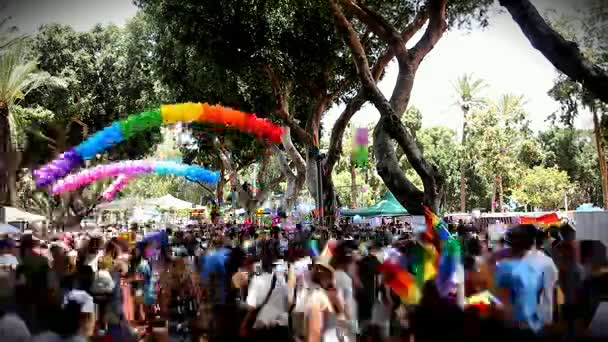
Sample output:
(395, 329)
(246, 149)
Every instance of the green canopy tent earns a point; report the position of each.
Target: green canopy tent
(388, 206)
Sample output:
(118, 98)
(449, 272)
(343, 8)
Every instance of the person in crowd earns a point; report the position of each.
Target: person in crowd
(12, 328)
(343, 258)
(366, 294)
(216, 279)
(267, 299)
(90, 253)
(73, 322)
(595, 285)
(519, 283)
(570, 275)
(542, 261)
(8, 266)
(324, 306)
(179, 296)
(145, 284)
(8, 253)
(35, 294)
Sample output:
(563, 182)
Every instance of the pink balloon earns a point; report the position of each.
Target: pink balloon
(116, 186)
(84, 177)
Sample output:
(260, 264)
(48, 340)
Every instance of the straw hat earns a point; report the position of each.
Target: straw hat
(324, 262)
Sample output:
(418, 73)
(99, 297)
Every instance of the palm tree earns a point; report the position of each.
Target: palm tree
(18, 76)
(467, 90)
(510, 110)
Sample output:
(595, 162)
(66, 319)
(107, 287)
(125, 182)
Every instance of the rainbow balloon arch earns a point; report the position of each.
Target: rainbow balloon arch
(126, 170)
(51, 174)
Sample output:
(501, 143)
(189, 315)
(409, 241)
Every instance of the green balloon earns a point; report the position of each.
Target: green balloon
(140, 122)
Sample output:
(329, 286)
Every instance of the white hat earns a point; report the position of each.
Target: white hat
(81, 297)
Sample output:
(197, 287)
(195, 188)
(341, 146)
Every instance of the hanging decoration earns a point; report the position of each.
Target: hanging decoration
(359, 152)
(131, 168)
(168, 114)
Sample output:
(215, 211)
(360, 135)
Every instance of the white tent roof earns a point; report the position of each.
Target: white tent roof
(170, 202)
(6, 228)
(121, 204)
(17, 215)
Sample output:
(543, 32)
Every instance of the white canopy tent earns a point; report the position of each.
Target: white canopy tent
(18, 215)
(169, 202)
(121, 204)
(6, 228)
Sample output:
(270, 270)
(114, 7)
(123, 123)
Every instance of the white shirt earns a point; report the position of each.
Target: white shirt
(275, 310)
(52, 337)
(92, 260)
(10, 260)
(550, 275)
(344, 286)
(13, 329)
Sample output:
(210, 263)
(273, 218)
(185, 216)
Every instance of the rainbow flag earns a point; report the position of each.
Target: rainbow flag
(438, 234)
(401, 282)
(313, 248)
(329, 247)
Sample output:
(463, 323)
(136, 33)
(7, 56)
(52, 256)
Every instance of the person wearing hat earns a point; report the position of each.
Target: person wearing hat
(325, 305)
(519, 283)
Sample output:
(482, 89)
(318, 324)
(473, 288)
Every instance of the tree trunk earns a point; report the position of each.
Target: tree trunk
(463, 178)
(219, 191)
(389, 126)
(563, 54)
(601, 156)
(295, 179)
(493, 200)
(500, 194)
(353, 185)
(6, 148)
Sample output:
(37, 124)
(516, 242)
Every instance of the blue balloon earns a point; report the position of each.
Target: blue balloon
(100, 141)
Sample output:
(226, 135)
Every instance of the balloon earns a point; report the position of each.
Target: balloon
(125, 129)
(131, 168)
(116, 186)
(59, 167)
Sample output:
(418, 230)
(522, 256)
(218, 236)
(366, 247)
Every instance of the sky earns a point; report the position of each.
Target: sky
(499, 54)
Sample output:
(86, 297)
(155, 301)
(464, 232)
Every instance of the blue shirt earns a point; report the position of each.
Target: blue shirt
(215, 263)
(525, 283)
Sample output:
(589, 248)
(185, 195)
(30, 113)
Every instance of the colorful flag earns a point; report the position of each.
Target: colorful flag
(400, 281)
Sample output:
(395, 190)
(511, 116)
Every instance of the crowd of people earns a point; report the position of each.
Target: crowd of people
(235, 282)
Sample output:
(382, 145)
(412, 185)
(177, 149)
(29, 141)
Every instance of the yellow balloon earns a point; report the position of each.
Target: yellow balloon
(172, 113)
(192, 111)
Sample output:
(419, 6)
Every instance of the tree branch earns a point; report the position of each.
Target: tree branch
(201, 184)
(434, 31)
(335, 147)
(293, 153)
(283, 163)
(283, 108)
(563, 54)
(387, 162)
(374, 22)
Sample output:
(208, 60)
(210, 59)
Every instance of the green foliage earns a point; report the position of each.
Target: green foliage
(542, 188)
(468, 89)
(108, 75)
(439, 145)
(573, 152)
(495, 132)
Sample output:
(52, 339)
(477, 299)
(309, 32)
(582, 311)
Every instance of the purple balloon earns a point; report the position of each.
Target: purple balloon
(49, 173)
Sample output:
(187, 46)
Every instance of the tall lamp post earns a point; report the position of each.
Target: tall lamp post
(315, 152)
